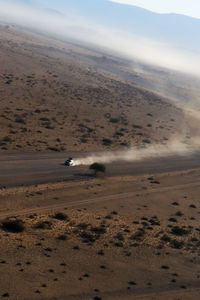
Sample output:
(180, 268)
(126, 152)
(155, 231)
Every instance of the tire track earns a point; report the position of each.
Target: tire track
(70, 204)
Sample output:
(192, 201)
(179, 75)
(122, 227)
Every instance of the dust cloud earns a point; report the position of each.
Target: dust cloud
(173, 148)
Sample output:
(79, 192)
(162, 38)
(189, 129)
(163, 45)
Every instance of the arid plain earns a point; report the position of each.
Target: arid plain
(120, 237)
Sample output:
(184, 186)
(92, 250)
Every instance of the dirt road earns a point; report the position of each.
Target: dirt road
(35, 168)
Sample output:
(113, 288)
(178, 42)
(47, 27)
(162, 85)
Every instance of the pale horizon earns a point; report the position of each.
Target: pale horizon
(183, 7)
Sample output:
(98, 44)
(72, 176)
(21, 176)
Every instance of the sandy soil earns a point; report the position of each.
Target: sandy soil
(106, 238)
(116, 238)
(53, 98)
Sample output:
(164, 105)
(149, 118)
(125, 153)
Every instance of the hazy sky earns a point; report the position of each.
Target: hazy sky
(126, 31)
(186, 7)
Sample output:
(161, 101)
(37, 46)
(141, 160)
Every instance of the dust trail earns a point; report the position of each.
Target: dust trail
(136, 154)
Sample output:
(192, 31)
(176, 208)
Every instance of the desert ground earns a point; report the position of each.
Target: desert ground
(65, 234)
(133, 237)
(53, 98)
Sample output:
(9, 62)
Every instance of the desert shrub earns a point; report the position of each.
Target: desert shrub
(194, 239)
(119, 236)
(48, 126)
(114, 120)
(176, 244)
(118, 133)
(44, 119)
(176, 230)
(192, 206)
(137, 126)
(13, 132)
(15, 225)
(83, 140)
(172, 220)
(164, 267)
(165, 238)
(88, 237)
(61, 216)
(7, 139)
(24, 129)
(144, 223)
(124, 144)
(179, 214)
(62, 237)
(55, 149)
(99, 230)
(97, 167)
(114, 212)
(147, 141)
(76, 247)
(175, 203)
(154, 222)
(6, 295)
(131, 283)
(106, 142)
(48, 249)
(138, 234)
(43, 225)
(83, 226)
(155, 182)
(20, 120)
(118, 244)
(136, 222)
(8, 82)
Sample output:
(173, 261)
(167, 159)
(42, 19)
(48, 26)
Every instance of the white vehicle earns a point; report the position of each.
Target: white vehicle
(69, 162)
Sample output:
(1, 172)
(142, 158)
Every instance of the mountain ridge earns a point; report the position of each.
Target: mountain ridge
(176, 29)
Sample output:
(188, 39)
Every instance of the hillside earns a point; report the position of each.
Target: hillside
(174, 29)
(54, 98)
